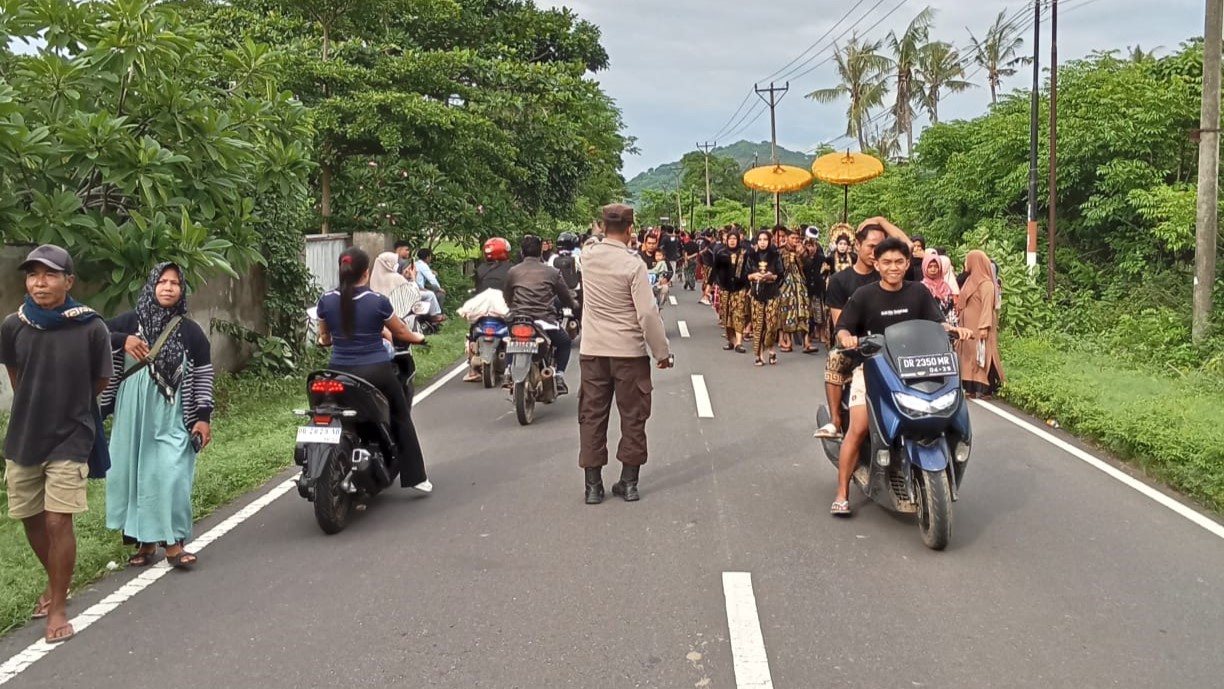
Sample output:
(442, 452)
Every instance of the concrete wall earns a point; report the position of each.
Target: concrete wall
(221, 298)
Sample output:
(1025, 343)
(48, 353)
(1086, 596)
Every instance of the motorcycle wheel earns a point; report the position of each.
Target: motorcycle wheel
(524, 403)
(332, 505)
(488, 374)
(935, 509)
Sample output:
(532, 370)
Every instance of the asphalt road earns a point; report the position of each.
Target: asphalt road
(1058, 575)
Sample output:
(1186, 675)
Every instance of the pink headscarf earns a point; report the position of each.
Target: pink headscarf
(937, 285)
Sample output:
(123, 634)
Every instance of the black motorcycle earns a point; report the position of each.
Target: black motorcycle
(347, 451)
(529, 365)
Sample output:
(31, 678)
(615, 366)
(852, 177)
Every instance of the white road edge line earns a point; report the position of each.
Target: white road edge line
(704, 409)
(1110, 470)
(747, 645)
(672, 299)
(683, 326)
(39, 649)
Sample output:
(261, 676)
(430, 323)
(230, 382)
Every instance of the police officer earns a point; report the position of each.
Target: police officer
(619, 322)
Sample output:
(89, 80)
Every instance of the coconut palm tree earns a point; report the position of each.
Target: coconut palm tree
(996, 53)
(906, 50)
(864, 78)
(940, 70)
(1138, 55)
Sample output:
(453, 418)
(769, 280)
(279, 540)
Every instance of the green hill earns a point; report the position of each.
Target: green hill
(664, 176)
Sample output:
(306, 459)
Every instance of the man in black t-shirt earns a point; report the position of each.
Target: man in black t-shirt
(869, 311)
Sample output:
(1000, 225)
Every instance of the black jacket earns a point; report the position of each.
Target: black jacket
(533, 289)
(730, 278)
(492, 275)
(764, 291)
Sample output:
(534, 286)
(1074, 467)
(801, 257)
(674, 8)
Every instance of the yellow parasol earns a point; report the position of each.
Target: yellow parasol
(845, 169)
(778, 179)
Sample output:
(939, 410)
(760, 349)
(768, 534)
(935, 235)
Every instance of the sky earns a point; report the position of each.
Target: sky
(681, 68)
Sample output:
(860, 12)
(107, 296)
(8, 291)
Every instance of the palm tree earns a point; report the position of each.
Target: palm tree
(940, 69)
(1138, 55)
(906, 50)
(997, 52)
(863, 73)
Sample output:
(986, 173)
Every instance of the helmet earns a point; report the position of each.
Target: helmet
(567, 241)
(497, 249)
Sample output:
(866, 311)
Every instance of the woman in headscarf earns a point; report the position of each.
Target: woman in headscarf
(842, 255)
(765, 262)
(163, 411)
(387, 281)
(935, 282)
(949, 276)
(981, 369)
(793, 297)
(731, 277)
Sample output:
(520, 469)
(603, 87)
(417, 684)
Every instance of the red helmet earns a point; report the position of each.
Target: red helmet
(497, 249)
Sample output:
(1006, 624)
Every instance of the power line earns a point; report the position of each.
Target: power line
(825, 61)
(737, 112)
(822, 38)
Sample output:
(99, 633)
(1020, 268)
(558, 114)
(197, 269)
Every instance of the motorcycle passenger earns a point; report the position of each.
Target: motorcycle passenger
(353, 321)
(568, 260)
(869, 311)
(532, 290)
(491, 274)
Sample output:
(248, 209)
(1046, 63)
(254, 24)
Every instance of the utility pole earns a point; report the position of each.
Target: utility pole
(706, 148)
(679, 208)
(1205, 227)
(752, 216)
(775, 96)
(1036, 112)
(1053, 148)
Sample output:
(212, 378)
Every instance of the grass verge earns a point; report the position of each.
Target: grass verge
(1168, 422)
(252, 442)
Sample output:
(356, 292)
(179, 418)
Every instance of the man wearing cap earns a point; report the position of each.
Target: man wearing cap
(619, 321)
(58, 356)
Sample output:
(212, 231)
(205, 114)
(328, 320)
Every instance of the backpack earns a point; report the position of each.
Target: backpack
(565, 263)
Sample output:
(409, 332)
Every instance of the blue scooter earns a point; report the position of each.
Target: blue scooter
(489, 334)
(919, 442)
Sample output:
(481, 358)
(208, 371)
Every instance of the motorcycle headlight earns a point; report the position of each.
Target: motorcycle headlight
(919, 407)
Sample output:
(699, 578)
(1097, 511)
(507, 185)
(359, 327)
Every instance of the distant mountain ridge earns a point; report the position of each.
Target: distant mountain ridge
(664, 176)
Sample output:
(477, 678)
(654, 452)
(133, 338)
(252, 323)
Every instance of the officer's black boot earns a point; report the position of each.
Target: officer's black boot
(627, 486)
(594, 486)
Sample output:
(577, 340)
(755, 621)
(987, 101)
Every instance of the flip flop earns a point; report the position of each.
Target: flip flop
(827, 432)
(758, 362)
(58, 637)
(740, 349)
(728, 347)
(773, 359)
(840, 508)
(42, 609)
(183, 560)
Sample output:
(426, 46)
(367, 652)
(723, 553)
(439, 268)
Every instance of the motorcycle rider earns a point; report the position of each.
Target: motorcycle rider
(869, 311)
(353, 321)
(532, 290)
(568, 260)
(491, 274)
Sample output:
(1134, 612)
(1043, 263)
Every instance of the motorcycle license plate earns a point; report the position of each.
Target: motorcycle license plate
(521, 348)
(927, 366)
(328, 435)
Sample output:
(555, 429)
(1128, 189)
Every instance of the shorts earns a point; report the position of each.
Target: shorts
(858, 389)
(838, 368)
(57, 486)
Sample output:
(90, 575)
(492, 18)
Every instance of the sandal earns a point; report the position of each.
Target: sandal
(840, 509)
(827, 431)
(59, 634)
(740, 349)
(773, 359)
(758, 362)
(728, 347)
(183, 560)
(787, 349)
(142, 558)
(42, 609)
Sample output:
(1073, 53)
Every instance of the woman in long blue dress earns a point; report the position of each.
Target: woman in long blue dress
(158, 410)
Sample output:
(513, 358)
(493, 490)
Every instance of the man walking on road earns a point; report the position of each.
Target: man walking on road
(58, 357)
(619, 321)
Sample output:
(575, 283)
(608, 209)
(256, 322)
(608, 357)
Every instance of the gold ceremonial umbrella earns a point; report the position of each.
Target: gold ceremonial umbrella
(778, 179)
(845, 169)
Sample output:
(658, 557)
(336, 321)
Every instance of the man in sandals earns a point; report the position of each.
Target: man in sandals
(58, 357)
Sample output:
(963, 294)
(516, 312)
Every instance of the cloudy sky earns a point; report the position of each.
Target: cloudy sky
(681, 68)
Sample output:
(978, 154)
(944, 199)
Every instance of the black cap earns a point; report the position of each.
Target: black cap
(52, 256)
